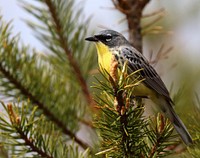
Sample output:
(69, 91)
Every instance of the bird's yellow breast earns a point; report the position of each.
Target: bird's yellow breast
(104, 56)
(104, 61)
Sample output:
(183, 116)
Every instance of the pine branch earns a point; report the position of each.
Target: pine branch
(29, 143)
(16, 127)
(124, 130)
(45, 110)
(32, 135)
(64, 45)
(10, 55)
(58, 30)
(121, 121)
(161, 137)
(119, 104)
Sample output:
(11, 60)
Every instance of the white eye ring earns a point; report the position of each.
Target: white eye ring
(109, 37)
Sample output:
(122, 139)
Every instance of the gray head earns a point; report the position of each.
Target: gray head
(110, 38)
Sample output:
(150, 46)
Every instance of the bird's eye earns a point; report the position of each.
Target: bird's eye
(108, 37)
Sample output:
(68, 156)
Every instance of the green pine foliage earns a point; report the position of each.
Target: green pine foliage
(124, 129)
(46, 98)
(54, 82)
(33, 136)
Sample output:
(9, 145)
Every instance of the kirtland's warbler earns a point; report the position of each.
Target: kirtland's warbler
(110, 43)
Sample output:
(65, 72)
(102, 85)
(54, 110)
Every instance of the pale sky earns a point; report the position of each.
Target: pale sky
(186, 31)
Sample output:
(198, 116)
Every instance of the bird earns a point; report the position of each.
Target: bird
(111, 43)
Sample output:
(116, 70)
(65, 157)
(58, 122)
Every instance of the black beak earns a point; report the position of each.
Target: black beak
(92, 39)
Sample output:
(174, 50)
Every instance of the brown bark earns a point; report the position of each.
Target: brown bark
(132, 9)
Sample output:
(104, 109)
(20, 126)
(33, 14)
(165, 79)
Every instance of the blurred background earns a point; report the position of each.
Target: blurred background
(179, 25)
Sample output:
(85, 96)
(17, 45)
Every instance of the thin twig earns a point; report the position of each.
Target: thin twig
(15, 121)
(154, 149)
(158, 18)
(30, 143)
(160, 11)
(161, 54)
(159, 131)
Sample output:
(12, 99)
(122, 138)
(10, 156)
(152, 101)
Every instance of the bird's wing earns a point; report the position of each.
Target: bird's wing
(137, 61)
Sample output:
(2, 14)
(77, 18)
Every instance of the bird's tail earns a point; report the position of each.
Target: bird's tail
(178, 124)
